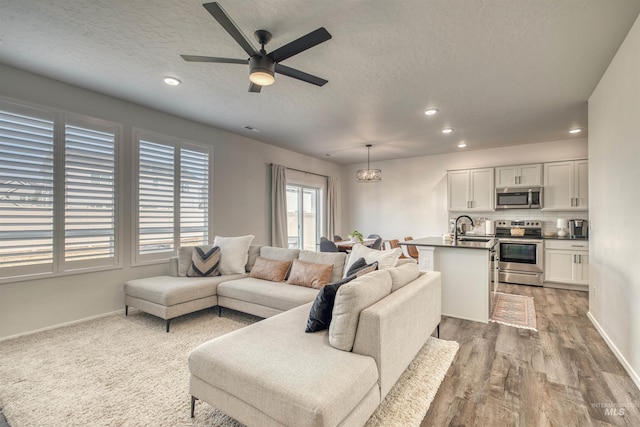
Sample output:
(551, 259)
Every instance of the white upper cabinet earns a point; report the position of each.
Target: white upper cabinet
(471, 190)
(566, 185)
(519, 175)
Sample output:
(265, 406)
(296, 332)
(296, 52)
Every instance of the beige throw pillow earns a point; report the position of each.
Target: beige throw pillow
(310, 274)
(403, 274)
(270, 269)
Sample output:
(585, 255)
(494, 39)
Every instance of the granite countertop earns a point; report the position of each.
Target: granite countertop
(463, 244)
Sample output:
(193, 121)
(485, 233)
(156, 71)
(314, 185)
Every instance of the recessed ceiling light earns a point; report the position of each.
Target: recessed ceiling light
(431, 112)
(462, 144)
(447, 130)
(576, 130)
(172, 81)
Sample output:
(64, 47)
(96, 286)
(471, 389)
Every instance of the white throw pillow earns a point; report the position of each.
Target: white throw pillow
(385, 259)
(234, 252)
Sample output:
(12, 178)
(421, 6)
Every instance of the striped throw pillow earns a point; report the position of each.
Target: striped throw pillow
(204, 262)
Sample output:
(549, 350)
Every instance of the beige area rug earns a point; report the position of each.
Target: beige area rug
(127, 371)
(514, 310)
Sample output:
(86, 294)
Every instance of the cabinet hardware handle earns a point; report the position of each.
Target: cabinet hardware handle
(574, 259)
(579, 259)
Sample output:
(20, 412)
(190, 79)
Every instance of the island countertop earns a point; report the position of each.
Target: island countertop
(441, 243)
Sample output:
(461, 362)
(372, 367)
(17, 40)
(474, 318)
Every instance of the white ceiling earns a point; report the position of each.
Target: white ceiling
(501, 72)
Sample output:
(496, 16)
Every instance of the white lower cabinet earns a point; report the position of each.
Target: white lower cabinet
(566, 262)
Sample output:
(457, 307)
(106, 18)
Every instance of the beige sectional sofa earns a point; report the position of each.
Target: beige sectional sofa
(273, 373)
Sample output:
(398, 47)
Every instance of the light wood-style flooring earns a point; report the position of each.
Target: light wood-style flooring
(561, 375)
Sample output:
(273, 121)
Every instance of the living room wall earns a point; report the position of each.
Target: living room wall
(241, 192)
(411, 200)
(614, 152)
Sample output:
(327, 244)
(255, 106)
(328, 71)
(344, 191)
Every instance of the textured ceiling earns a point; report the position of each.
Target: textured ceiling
(501, 72)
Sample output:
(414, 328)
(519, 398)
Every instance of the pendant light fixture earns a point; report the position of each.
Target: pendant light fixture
(368, 174)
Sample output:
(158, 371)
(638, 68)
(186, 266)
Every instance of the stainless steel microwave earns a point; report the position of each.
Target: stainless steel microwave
(519, 198)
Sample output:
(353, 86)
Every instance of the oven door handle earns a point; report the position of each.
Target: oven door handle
(538, 241)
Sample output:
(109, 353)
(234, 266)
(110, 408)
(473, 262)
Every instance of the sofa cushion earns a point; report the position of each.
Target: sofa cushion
(310, 274)
(385, 259)
(270, 269)
(234, 253)
(355, 266)
(204, 262)
(338, 260)
(280, 254)
(170, 290)
(403, 274)
(254, 253)
(185, 254)
(351, 299)
(294, 378)
(278, 295)
(320, 313)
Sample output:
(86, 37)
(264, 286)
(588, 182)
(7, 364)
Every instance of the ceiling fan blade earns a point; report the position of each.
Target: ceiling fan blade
(254, 88)
(223, 19)
(300, 75)
(195, 58)
(312, 39)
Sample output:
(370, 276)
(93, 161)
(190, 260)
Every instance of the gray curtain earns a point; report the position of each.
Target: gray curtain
(279, 206)
(332, 206)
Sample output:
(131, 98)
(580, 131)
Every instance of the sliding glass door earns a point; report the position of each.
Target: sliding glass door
(303, 216)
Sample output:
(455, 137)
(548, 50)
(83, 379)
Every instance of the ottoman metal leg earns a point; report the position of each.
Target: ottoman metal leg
(126, 310)
(168, 323)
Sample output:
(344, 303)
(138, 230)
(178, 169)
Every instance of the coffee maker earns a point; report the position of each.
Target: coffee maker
(578, 228)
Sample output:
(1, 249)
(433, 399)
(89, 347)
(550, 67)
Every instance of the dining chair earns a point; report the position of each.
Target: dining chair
(328, 246)
(411, 250)
(377, 244)
(337, 238)
(373, 236)
(395, 243)
(322, 239)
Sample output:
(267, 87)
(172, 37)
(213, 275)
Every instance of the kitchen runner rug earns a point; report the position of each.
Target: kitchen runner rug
(514, 310)
(127, 371)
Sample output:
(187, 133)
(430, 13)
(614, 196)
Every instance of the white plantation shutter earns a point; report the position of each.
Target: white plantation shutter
(90, 202)
(172, 196)
(194, 197)
(156, 178)
(26, 191)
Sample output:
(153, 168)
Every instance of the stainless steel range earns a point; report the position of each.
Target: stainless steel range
(520, 252)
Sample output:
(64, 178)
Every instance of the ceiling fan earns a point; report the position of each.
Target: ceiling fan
(263, 66)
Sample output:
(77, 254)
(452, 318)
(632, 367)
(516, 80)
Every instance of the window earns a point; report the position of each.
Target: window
(173, 196)
(50, 225)
(90, 204)
(26, 191)
(303, 216)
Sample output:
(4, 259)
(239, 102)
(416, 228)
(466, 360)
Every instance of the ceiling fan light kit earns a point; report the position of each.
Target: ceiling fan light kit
(368, 174)
(263, 66)
(262, 70)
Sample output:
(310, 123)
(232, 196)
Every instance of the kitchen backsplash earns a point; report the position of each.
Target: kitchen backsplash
(549, 219)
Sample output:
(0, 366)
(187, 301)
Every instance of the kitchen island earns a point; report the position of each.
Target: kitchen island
(466, 269)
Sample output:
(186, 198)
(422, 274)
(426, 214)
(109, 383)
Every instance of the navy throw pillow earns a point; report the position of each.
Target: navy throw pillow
(322, 308)
(357, 265)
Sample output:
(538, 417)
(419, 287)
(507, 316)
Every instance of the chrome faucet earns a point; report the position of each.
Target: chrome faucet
(455, 227)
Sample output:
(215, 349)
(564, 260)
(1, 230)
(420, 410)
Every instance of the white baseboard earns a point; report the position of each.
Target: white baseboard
(627, 367)
(61, 325)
